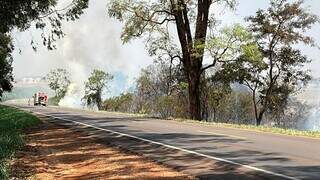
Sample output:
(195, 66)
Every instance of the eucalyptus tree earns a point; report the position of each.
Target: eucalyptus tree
(94, 87)
(156, 20)
(272, 68)
(59, 81)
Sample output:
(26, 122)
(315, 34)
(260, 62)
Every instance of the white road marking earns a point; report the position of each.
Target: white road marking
(176, 148)
(221, 134)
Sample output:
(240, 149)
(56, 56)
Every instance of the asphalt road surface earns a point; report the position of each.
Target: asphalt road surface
(203, 151)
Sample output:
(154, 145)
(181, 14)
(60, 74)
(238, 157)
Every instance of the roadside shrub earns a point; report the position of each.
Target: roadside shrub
(54, 101)
(165, 107)
(122, 103)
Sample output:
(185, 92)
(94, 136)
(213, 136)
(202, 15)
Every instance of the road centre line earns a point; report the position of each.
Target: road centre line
(174, 147)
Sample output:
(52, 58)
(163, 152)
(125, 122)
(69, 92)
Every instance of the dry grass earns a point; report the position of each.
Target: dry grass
(53, 152)
(263, 129)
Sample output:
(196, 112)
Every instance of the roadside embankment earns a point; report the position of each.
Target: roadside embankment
(12, 124)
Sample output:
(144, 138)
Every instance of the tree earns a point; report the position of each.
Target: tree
(156, 87)
(271, 68)
(6, 76)
(94, 87)
(216, 93)
(59, 81)
(21, 14)
(153, 19)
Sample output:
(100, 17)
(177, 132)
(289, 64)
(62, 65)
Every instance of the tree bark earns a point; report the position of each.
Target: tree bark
(255, 106)
(194, 96)
(259, 118)
(99, 100)
(192, 64)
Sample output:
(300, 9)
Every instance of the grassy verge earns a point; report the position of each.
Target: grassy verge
(266, 129)
(275, 130)
(12, 122)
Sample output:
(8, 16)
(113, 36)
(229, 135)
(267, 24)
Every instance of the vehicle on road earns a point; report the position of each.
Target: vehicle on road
(40, 99)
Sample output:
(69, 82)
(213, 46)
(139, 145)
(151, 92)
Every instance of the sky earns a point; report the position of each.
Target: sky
(93, 42)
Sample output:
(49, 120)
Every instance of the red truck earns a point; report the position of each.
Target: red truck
(40, 99)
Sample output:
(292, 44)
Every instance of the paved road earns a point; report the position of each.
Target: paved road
(203, 151)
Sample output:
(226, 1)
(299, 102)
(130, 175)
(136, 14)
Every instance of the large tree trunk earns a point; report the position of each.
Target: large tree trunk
(258, 115)
(192, 65)
(259, 118)
(194, 96)
(99, 101)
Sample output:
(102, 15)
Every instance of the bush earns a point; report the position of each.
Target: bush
(122, 103)
(165, 106)
(54, 101)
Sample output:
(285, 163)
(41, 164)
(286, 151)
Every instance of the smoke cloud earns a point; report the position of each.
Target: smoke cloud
(92, 42)
(310, 96)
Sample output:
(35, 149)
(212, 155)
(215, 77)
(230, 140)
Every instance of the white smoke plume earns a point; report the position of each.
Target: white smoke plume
(92, 42)
(73, 97)
(311, 97)
(313, 122)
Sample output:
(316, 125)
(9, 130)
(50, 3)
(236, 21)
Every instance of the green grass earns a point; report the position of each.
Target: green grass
(12, 122)
(266, 129)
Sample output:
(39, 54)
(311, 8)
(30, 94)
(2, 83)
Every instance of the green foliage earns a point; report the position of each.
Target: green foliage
(269, 66)
(285, 22)
(94, 87)
(151, 20)
(139, 17)
(228, 43)
(6, 76)
(224, 103)
(121, 103)
(59, 81)
(159, 84)
(166, 106)
(43, 14)
(12, 122)
(170, 106)
(21, 13)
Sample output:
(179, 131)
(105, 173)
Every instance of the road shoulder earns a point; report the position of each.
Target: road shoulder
(56, 152)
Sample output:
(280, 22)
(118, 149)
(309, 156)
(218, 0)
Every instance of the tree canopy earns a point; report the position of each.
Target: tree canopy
(155, 20)
(59, 81)
(271, 67)
(94, 87)
(6, 76)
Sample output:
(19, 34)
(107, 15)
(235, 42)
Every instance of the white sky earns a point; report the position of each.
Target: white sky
(94, 42)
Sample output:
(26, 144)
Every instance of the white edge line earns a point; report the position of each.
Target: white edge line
(176, 148)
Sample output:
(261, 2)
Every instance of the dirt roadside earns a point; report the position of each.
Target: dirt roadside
(54, 152)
